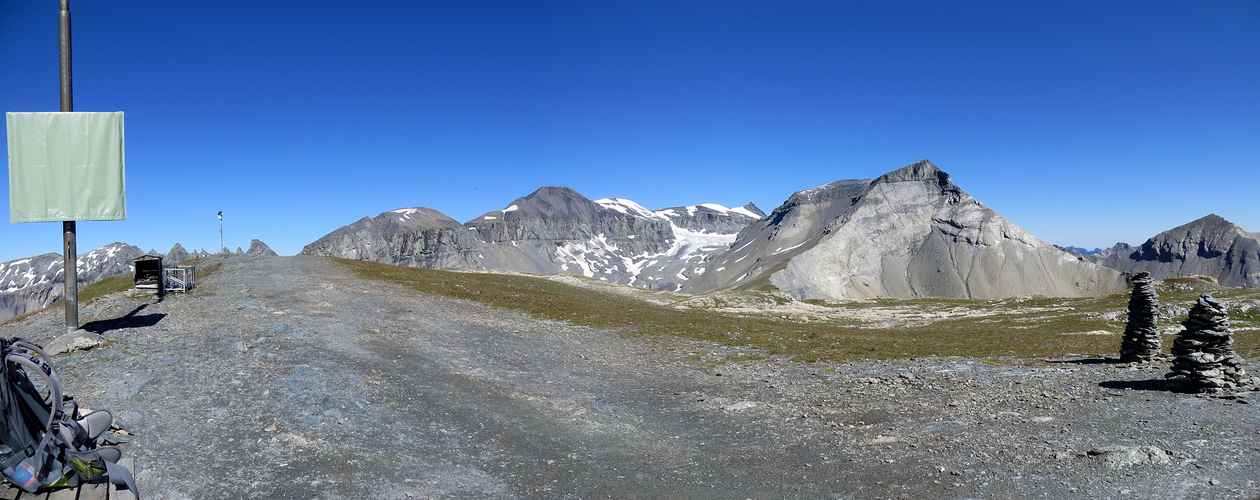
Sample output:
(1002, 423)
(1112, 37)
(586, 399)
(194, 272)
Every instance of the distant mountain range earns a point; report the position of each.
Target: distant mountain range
(34, 283)
(909, 233)
(1080, 250)
(552, 230)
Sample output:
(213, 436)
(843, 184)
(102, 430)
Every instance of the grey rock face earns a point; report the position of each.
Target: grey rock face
(765, 245)
(33, 283)
(910, 233)
(561, 214)
(1204, 358)
(1141, 336)
(1210, 246)
(415, 237)
(258, 247)
(176, 255)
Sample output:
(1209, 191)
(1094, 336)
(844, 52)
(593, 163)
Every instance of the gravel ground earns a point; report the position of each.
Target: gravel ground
(284, 377)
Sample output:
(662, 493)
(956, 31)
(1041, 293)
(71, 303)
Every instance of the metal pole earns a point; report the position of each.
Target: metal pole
(69, 265)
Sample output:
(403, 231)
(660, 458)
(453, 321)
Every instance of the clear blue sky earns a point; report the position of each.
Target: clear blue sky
(1085, 123)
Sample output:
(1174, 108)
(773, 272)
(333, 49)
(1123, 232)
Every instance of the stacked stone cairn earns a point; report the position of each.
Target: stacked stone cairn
(1203, 354)
(1142, 342)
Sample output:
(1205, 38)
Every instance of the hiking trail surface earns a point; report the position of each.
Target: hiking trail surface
(286, 377)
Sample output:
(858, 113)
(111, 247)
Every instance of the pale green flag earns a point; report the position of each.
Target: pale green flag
(66, 166)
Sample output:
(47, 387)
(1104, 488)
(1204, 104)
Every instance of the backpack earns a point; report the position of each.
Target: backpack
(42, 444)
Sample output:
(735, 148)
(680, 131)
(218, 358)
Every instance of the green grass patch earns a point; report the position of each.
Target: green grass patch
(1018, 335)
(105, 287)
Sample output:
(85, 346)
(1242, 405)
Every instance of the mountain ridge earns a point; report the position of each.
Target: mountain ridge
(920, 223)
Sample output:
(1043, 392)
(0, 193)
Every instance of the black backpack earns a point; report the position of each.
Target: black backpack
(41, 444)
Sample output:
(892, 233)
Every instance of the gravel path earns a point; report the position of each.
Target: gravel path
(284, 377)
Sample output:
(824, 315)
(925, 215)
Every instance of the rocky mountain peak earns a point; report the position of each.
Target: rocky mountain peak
(922, 170)
(256, 246)
(549, 201)
(753, 208)
(416, 218)
(1207, 236)
(1208, 224)
(177, 255)
(838, 241)
(1208, 246)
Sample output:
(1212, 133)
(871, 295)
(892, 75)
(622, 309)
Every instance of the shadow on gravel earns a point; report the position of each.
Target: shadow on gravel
(1137, 385)
(130, 320)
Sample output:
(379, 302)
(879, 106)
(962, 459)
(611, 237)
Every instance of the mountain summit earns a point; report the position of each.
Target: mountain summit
(1209, 246)
(909, 233)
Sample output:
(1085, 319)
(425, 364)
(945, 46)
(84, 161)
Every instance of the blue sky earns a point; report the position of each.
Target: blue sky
(1086, 123)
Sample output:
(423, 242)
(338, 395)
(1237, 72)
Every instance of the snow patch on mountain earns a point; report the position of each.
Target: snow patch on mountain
(627, 207)
(592, 256)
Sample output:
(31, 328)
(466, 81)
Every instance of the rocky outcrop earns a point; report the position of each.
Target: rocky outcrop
(910, 233)
(414, 237)
(1210, 246)
(1142, 342)
(257, 247)
(1203, 354)
(177, 255)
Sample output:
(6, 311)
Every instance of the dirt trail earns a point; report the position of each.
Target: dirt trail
(283, 377)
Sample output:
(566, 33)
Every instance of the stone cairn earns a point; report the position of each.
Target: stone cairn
(1204, 357)
(1141, 337)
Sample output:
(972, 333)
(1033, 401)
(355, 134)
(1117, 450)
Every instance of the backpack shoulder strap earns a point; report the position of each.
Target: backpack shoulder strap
(121, 476)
